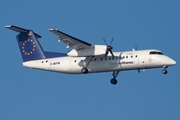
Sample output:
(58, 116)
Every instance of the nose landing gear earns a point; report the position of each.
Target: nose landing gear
(164, 71)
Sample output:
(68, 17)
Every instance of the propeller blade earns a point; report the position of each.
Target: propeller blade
(109, 47)
(111, 53)
(111, 41)
(105, 41)
(106, 53)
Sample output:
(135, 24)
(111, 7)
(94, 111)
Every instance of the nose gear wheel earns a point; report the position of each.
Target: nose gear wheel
(164, 71)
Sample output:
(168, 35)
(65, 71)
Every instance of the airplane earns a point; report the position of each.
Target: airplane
(85, 57)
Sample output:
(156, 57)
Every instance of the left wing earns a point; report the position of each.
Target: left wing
(72, 42)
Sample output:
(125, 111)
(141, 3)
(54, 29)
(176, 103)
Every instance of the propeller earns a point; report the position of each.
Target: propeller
(109, 47)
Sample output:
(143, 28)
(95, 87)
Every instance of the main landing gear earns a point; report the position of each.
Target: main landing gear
(164, 71)
(84, 70)
(86, 63)
(113, 80)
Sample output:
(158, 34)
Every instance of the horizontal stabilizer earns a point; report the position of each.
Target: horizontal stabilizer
(20, 30)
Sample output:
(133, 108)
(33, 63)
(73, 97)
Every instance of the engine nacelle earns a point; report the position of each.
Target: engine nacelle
(96, 50)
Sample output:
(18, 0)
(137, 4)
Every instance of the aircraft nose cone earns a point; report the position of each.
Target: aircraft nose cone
(171, 62)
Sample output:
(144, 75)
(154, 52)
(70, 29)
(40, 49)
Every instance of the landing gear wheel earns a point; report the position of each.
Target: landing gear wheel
(113, 81)
(84, 70)
(164, 71)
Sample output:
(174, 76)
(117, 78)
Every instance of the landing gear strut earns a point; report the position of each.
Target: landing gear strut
(113, 80)
(164, 71)
(86, 63)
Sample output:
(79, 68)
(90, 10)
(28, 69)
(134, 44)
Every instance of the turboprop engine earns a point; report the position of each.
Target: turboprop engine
(96, 50)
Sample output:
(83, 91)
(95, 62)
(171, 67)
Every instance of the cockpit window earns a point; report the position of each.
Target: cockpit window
(156, 52)
(153, 52)
(160, 53)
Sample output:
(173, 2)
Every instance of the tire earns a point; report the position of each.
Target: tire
(84, 70)
(113, 81)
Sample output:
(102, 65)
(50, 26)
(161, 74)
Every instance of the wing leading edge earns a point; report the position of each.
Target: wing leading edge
(70, 41)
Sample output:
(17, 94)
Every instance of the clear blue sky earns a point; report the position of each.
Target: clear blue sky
(27, 94)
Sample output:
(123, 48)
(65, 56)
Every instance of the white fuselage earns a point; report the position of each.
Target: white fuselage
(129, 60)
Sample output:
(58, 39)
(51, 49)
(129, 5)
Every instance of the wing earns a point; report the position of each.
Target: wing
(72, 42)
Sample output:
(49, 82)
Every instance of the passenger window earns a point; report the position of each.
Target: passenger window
(131, 56)
(126, 56)
(136, 56)
(109, 58)
(75, 61)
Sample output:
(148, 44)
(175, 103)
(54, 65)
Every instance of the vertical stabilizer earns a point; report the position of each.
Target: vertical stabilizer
(29, 45)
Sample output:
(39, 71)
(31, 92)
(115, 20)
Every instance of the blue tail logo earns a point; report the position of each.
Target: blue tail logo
(26, 42)
(29, 46)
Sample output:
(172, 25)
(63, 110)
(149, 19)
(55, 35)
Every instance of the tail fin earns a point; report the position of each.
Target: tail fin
(29, 45)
